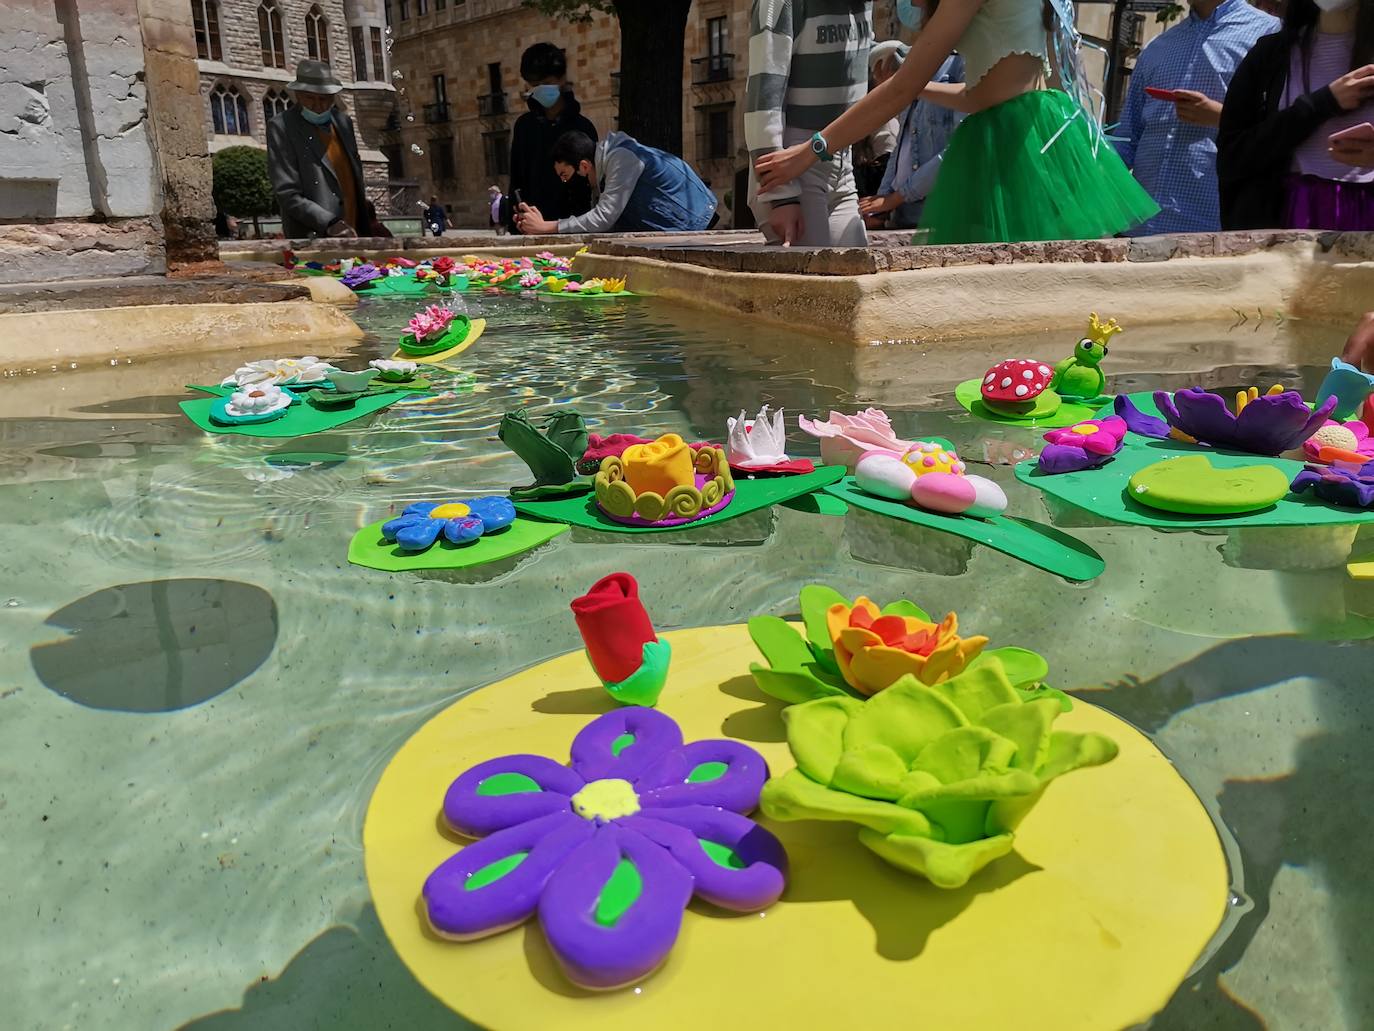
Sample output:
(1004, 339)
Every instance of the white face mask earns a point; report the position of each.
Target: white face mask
(1334, 5)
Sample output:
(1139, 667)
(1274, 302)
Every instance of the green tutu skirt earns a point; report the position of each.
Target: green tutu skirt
(1023, 171)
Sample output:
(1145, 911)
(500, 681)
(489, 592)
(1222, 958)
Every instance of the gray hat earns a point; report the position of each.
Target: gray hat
(888, 48)
(315, 77)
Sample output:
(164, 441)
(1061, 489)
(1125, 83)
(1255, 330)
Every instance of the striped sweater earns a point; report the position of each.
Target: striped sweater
(808, 62)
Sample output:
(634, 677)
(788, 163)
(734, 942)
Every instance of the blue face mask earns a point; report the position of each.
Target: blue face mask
(546, 95)
(317, 117)
(909, 14)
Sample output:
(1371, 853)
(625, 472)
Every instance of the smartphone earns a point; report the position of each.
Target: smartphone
(518, 200)
(1161, 94)
(1363, 131)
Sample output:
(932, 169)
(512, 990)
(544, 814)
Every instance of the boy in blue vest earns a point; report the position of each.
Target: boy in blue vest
(642, 189)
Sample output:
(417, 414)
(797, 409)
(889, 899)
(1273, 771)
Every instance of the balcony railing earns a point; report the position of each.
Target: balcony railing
(715, 68)
(436, 113)
(491, 104)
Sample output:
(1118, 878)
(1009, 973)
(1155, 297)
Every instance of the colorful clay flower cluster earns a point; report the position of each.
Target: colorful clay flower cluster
(930, 475)
(1348, 442)
(1084, 445)
(460, 522)
(433, 322)
(609, 849)
(531, 279)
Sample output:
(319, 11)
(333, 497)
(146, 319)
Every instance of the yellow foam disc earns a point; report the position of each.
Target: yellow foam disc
(1117, 883)
(475, 328)
(1361, 568)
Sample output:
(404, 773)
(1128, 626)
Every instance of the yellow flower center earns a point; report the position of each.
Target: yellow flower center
(606, 800)
(1087, 429)
(453, 510)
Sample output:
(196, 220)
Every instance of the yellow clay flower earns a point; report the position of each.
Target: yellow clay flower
(659, 466)
(875, 651)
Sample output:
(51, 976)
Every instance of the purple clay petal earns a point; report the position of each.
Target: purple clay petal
(1202, 415)
(613, 954)
(1164, 401)
(420, 534)
(1320, 414)
(1140, 423)
(1060, 458)
(1273, 424)
(715, 773)
(462, 529)
(509, 896)
(623, 743)
(503, 792)
(1352, 488)
(734, 863)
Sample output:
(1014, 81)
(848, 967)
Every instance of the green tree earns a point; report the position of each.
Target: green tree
(653, 36)
(241, 186)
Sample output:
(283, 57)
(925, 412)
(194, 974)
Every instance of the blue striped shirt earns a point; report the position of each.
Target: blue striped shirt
(1175, 161)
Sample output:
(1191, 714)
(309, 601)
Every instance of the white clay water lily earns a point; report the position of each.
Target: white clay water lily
(393, 370)
(280, 371)
(258, 399)
(760, 441)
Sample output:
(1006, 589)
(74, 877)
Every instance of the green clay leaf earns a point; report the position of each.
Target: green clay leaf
(706, 772)
(904, 718)
(902, 607)
(1030, 694)
(872, 771)
(782, 646)
(1022, 666)
(978, 688)
(507, 784)
(1069, 751)
(722, 855)
(618, 894)
(943, 864)
(1029, 725)
(791, 686)
(621, 743)
(964, 753)
(494, 871)
(644, 685)
(815, 734)
(816, 600)
(794, 796)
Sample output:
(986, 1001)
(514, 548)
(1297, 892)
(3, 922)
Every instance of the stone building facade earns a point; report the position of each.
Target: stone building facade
(460, 91)
(247, 51)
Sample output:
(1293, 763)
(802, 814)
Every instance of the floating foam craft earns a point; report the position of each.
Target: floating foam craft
(1085, 445)
(758, 446)
(609, 849)
(460, 522)
(931, 476)
(255, 403)
(550, 449)
(628, 657)
(282, 372)
(1190, 484)
(663, 483)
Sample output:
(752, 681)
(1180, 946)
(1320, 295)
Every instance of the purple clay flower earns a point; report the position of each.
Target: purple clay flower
(1137, 421)
(1338, 485)
(360, 275)
(1267, 425)
(610, 849)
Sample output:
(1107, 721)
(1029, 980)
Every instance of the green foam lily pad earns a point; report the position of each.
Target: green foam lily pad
(817, 504)
(300, 420)
(969, 394)
(750, 496)
(369, 548)
(1192, 485)
(1033, 543)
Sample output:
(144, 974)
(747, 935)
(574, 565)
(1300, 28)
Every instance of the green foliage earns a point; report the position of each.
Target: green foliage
(1169, 13)
(241, 186)
(570, 10)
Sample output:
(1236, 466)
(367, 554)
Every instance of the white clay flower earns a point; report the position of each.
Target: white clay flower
(761, 441)
(390, 369)
(280, 371)
(259, 399)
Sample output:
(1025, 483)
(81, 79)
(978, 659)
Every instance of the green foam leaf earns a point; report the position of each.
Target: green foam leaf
(508, 784)
(494, 871)
(618, 894)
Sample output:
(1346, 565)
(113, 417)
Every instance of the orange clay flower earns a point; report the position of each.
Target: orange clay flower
(875, 651)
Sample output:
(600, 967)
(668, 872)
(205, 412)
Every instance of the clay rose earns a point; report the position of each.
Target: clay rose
(629, 659)
(659, 466)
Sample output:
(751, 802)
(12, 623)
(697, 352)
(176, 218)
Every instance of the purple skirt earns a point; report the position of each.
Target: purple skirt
(1311, 202)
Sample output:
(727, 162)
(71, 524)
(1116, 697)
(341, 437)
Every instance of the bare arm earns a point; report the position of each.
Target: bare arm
(952, 95)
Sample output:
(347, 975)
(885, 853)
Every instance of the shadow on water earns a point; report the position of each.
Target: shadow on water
(347, 977)
(1301, 819)
(159, 645)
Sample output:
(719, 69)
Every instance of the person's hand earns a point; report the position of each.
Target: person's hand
(782, 166)
(1359, 349)
(1353, 88)
(1359, 153)
(1197, 108)
(530, 222)
(340, 228)
(786, 221)
(880, 205)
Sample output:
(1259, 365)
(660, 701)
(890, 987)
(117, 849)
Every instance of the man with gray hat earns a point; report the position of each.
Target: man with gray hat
(312, 159)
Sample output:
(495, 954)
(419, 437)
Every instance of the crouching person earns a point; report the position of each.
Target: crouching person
(637, 189)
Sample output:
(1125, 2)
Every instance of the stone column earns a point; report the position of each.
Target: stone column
(177, 121)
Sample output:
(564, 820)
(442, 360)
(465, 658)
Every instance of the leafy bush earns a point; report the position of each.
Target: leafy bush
(241, 186)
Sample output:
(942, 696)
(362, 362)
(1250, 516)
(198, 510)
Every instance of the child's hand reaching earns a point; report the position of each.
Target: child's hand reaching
(786, 221)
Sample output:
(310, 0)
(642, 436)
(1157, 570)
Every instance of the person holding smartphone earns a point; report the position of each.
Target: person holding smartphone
(1168, 128)
(1291, 150)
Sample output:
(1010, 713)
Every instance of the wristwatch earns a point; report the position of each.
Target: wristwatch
(819, 147)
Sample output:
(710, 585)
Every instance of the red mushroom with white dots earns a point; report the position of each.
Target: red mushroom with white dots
(1016, 384)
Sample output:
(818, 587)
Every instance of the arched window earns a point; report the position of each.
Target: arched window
(270, 35)
(205, 15)
(229, 111)
(274, 102)
(317, 34)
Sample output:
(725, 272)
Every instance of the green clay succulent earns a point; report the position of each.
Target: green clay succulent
(804, 668)
(937, 777)
(551, 450)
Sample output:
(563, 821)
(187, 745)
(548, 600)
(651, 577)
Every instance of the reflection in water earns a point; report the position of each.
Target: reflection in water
(157, 646)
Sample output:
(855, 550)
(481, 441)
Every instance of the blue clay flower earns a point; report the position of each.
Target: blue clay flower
(419, 525)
